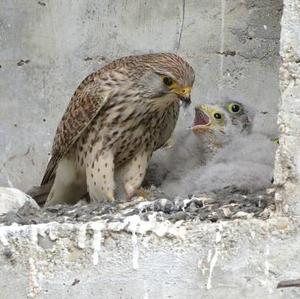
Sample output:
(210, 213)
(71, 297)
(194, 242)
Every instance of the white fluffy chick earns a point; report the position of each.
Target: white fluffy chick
(245, 163)
(214, 126)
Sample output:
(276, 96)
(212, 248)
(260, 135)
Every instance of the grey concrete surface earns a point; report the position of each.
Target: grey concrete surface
(287, 166)
(136, 259)
(64, 41)
(48, 47)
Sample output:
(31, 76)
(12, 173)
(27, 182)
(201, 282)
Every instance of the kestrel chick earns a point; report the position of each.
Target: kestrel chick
(221, 132)
(216, 124)
(115, 120)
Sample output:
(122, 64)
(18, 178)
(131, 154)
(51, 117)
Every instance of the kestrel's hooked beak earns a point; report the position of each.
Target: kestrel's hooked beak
(184, 94)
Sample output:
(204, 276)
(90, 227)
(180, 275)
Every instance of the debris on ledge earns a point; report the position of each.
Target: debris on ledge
(225, 204)
(12, 199)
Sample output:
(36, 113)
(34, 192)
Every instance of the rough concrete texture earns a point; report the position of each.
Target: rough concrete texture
(287, 170)
(48, 47)
(137, 259)
(133, 258)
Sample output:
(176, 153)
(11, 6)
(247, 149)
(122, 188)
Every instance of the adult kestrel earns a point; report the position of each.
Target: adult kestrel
(115, 120)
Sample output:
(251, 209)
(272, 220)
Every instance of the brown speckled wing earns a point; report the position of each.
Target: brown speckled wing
(90, 97)
(85, 104)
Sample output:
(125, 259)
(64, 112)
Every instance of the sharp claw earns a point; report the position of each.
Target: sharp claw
(137, 192)
(94, 196)
(110, 196)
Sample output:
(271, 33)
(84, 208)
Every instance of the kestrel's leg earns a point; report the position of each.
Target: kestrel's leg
(100, 175)
(133, 174)
(69, 184)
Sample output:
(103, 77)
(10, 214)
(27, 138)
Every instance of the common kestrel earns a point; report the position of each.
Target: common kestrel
(115, 120)
(214, 125)
(233, 155)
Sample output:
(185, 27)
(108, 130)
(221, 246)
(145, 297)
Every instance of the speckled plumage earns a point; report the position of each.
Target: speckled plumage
(115, 120)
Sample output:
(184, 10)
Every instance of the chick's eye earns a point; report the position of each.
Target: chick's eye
(168, 81)
(235, 108)
(217, 115)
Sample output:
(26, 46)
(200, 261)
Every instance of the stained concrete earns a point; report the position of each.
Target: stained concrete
(287, 166)
(223, 205)
(135, 258)
(48, 47)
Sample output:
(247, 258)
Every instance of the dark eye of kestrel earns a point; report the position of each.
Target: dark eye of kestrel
(115, 120)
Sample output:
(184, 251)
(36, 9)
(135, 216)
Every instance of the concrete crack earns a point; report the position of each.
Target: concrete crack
(14, 157)
(181, 26)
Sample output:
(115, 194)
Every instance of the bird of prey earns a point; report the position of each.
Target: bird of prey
(228, 149)
(117, 117)
(214, 126)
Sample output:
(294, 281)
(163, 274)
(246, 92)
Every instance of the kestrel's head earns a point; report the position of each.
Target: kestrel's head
(164, 73)
(222, 121)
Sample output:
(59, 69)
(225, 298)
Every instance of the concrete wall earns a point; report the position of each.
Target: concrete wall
(133, 259)
(48, 47)
(287, 170)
